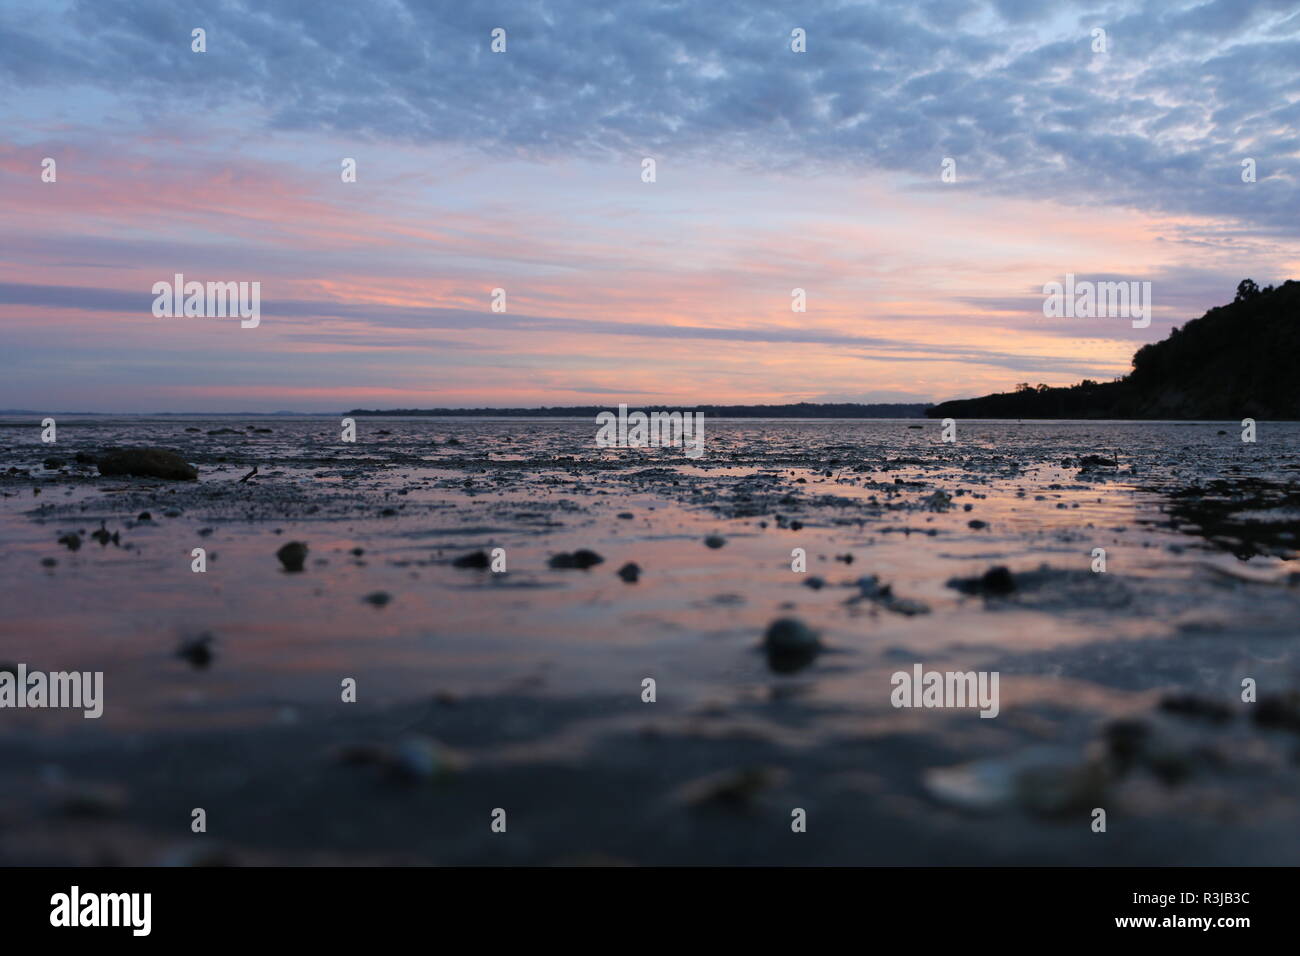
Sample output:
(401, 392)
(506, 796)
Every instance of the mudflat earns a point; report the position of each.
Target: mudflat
(464, 637)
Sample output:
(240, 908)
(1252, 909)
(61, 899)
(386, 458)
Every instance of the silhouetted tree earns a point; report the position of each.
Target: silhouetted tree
(1246, 289)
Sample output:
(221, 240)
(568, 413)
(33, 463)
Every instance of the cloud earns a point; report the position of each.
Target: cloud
(1011, 89)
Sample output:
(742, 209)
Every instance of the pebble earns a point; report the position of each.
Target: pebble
(581, 559)
(197, 650)
(292, 555)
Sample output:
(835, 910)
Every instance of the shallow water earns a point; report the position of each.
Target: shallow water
(535, 675)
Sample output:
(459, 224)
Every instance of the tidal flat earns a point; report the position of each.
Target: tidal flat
(524, 690)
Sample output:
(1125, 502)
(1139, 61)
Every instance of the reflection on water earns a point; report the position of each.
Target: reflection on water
(1177, 508)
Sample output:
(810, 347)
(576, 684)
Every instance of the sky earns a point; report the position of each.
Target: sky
(523, 170)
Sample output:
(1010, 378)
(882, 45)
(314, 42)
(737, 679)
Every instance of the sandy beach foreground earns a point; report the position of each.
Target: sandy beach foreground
(524, 690)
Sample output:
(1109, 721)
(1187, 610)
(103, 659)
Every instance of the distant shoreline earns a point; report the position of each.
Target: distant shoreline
(801, 410)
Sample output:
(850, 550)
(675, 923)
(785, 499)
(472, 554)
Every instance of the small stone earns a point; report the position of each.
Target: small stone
(1189, 705)
(790, 634)
(1043, 780)
(734, 789)
(92, 802)
(580, 559)
(995, 581)
(1280, 711)
(715, 541)
(292, 555)
(197, 651)
(54, 463)
(475, 559)
(790, 644)
(938, 501)
(378, 598)
(103, 537)
(71, 541)
(144, 516)
(630, 572)
(417, 758)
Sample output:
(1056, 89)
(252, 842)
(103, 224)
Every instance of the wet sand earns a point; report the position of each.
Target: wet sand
(523, 690)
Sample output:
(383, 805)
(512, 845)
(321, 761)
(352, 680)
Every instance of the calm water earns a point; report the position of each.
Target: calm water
(1198, 530)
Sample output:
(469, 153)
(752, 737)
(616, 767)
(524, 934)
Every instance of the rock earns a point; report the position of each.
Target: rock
(417, 758)
(54, 463)
(103, 537)
(71, 540)
(144, 516)
(815, 582)
(976, 524)
(49, 562)
(1189, 705)
(1280, 711)
(378, 598)
(869, 586)
(908, 607)
(871, 589)
(292, 555)
(715, 541)
(790, 634)
(995, 581)
(734, 789)
(147, 463)
(85, 458)
(580, 559)
(1043, 780)
(790, 645)
(197, 650)
(626, 515)
(92, 801)
(1160, 748)
(630, 572)
(475, 559)
(937, 501)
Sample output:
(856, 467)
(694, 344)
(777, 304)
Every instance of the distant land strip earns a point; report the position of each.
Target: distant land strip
(800, 410)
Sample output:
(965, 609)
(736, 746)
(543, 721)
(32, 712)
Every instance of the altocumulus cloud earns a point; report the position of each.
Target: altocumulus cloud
(1011, 89)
